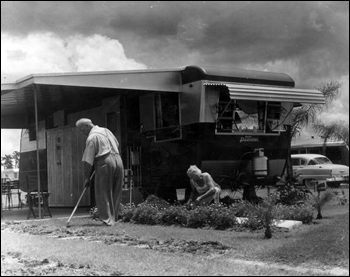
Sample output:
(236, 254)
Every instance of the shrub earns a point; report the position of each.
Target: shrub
(224, 221)
(302, 212)
(94, 213)
(240, 209)
(342, 200)
(228, 201)
(126, 212)
(253, 222)
(174, 215)
(217, 216)
(221, 217)
(290, 195)
(146, 214)
(320, 200)
(149, 212)
(156, 202)
(262, 214)
(199, 217)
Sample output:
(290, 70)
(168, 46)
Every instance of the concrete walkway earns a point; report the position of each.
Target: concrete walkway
(288, 224)
(11, 209)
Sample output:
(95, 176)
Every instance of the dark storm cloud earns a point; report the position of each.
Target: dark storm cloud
(314, 35)
(61, 17)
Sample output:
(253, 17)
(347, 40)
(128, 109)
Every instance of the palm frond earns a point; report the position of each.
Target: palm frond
(320, 200)
(336, 130)
(307, 113)
(330, 90)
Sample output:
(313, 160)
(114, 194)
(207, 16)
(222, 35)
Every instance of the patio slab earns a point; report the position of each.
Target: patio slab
(288, 224)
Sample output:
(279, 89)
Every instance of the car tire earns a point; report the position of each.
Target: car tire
(309, 183)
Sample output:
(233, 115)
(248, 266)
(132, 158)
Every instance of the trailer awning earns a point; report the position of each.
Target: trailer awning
(272, 94)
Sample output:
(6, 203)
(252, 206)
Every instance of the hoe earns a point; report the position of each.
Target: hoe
(81, 196)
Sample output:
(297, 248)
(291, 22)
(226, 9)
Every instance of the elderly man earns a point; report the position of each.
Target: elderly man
(204, 188)
(102, 153)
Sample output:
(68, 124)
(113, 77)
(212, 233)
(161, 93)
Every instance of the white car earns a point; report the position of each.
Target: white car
(311, 167)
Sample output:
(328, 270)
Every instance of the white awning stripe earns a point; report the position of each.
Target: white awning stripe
(273, 94)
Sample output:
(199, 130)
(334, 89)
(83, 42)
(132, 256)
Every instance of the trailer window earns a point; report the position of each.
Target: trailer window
(246, 116)
(32, 132)
(241, 116)
(167, 117)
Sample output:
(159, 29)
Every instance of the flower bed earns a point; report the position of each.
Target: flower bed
(155, 211)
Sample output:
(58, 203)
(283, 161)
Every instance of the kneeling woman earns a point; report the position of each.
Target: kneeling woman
(203, 188)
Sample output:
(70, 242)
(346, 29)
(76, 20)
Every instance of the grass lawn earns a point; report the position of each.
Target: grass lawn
(326, 242)
(320, 245)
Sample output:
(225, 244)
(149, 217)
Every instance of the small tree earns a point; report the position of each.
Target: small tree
(336, 130)
(266, 212)
(16, 157)
(289, 194)
(307, 113)
(7, 162)
(320, 200)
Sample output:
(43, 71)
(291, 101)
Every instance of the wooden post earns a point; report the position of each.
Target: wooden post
(130, 187)
(1, 194)
(37, 148)
(289, 158)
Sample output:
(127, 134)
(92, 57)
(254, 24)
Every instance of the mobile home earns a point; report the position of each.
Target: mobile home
(165, 120)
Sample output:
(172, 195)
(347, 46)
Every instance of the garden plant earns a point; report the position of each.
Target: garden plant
(221, 216)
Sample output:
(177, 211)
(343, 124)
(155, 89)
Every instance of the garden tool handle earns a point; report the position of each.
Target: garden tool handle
(81, 196)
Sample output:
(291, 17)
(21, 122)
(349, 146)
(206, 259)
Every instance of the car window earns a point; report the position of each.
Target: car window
(298, 161)
(312, 162)
(295, 161)
(323, 160)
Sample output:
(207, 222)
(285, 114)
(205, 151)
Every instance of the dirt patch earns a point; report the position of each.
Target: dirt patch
(183, 246)
(12, 264)
(170, 245)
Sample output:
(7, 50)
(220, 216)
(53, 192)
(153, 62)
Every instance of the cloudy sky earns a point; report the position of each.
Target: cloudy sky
(308, 40)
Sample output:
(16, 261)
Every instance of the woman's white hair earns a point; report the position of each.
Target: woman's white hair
(193, 170)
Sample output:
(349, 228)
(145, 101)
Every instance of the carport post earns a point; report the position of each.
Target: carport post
(37, 148)
(1, 193)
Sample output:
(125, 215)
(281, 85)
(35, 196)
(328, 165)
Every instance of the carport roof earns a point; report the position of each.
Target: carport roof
(76, 91)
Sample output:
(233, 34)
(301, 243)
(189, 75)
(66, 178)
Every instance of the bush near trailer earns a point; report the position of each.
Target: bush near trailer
(216, 216)
(288, 203)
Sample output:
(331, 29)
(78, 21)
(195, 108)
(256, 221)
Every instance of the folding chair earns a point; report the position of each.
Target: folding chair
(34, 197)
